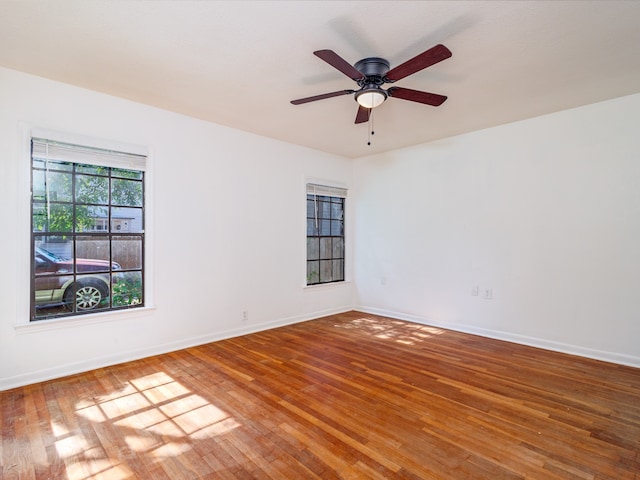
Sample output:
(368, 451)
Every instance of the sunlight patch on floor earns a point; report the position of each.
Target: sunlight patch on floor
(199, 418)
(216, 429)
(71, 445)
(182, 405)
(142, 420)
(170, 449)
(141, 443)
(398, 331)
(98, 470)
(155, 415)
(93, 413)
(58, 429)
(124, 405)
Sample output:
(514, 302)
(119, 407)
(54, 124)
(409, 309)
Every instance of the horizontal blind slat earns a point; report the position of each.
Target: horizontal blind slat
(316, 189)
(49, 150)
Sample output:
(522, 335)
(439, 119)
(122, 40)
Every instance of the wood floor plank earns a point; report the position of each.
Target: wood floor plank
(350, 396)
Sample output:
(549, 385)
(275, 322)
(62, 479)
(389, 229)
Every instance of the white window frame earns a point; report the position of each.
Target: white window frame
(22, 308)
(336, 189)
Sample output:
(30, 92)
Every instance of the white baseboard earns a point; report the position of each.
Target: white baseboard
(122, 357)
(612, 357)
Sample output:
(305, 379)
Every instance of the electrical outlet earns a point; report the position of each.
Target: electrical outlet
(475, 290)
(488, 294)
(245, 315)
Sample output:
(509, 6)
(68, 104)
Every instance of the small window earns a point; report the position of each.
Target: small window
(325, 234)
(87, 230)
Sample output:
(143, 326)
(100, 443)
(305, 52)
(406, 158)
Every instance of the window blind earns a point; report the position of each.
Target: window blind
(315, 189)
(65, 152)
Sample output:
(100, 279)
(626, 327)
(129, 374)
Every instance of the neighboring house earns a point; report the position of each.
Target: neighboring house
(121, 224)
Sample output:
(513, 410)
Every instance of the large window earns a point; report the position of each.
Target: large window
(325, 234)
(87, 230)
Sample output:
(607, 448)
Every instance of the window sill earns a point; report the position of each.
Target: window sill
(324, 286)
(38, 326)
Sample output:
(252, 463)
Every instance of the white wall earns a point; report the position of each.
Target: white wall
(227, 232)
(545, 212)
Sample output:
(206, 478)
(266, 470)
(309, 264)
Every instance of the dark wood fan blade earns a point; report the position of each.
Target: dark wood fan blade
(322, 97)
(427, 98)
(339, 63)
(425, 59)
(363, 114)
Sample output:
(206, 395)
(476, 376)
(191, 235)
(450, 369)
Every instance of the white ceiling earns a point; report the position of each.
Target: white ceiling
(239, 63)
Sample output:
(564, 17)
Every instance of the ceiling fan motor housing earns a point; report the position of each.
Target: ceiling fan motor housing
(374, 70)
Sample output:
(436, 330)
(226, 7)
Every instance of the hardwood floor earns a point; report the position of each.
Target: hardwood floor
(351, 396)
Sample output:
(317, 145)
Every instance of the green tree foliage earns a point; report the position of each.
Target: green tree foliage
(53, 199)
(127, 290)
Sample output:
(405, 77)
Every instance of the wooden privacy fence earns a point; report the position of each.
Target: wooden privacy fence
(127, 251)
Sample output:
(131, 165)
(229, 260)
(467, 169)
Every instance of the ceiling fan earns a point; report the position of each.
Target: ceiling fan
(372, 72)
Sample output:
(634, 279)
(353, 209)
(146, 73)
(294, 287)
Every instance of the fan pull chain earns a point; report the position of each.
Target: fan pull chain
(371, 131)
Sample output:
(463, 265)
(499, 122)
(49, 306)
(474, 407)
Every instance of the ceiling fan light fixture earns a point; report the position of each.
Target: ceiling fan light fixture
(371, 97)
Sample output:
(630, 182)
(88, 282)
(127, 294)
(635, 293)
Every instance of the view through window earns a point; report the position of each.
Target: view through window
(325, 234)
(87, 224)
